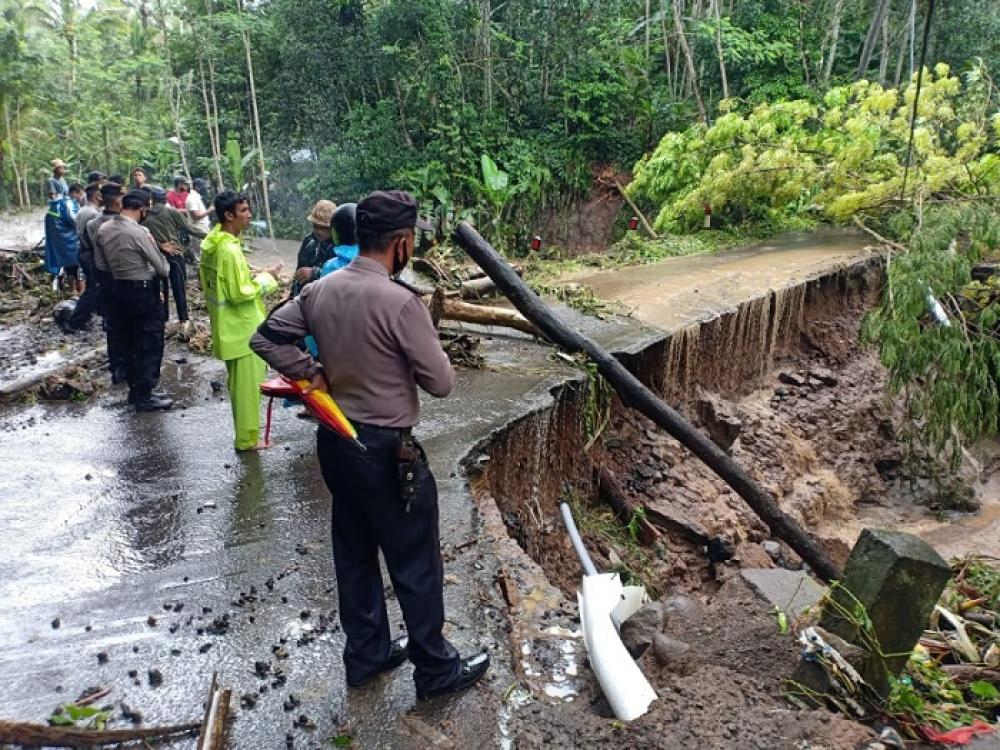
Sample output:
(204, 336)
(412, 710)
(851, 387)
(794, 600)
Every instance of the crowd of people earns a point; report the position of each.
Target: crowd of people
(359, 333)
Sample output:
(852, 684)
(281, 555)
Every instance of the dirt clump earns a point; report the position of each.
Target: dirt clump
(726, 695)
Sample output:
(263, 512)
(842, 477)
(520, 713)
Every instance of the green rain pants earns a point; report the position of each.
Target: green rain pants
(245, 376)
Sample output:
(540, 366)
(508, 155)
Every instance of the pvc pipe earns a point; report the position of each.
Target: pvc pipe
(574, 536)
(622, 682)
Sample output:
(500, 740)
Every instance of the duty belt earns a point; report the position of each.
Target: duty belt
(144, 284)
(401, 431)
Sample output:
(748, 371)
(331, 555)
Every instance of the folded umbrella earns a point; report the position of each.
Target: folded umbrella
(319, 403)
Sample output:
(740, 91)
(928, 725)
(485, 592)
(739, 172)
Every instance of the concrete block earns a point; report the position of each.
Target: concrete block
(791, 591)
(897, 578)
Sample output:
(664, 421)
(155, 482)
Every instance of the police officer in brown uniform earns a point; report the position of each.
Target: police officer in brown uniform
(376, 344)
(137, 306)
(111, 197)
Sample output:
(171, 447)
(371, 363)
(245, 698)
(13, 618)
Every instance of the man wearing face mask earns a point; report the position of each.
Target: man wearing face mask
(137, 304)
(376, 345)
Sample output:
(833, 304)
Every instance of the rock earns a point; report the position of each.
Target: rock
(791, 591)
(102, 657)
(56, 623)
(721, 419)
(792, 378)
(637, 631)
(897, 578)
(680, 608)
(672, 654)
(773, 549)
(752, 555)
(720, 549)
(823, 375)
(155, 677)
(131, 714)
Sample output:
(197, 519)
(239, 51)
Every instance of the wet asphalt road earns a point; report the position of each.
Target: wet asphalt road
(112, 518)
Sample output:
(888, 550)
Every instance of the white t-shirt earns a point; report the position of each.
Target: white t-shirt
(195, 203)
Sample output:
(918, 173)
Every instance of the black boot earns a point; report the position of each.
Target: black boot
(397, 655)
(153, 402)
(471, 670)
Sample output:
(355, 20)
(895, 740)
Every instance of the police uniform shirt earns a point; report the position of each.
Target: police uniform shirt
(376, 343)
(93, 234)
(130, 251)
(83, 217)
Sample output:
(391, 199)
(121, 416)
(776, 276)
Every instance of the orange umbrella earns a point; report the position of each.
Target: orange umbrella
(319, 403)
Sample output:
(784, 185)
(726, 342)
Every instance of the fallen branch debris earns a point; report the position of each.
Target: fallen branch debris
(27, 734)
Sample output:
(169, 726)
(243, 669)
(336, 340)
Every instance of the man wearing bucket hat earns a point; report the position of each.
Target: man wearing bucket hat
(317, 246)
(57, 182)
(376, 345)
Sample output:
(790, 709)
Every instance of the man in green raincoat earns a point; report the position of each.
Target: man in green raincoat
(235, 307)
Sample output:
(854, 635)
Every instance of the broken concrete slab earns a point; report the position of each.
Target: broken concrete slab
(897, 578)
(791, 591)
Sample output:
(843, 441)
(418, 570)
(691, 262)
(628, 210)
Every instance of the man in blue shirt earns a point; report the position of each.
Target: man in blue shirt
(57, 182)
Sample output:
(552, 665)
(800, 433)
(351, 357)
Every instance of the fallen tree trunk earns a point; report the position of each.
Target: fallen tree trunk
(637, 396)
(27, 734)
(30, 381)
(610, 492)
(443, 308)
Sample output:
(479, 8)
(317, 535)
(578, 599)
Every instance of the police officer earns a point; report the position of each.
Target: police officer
(166, 225)
(137, 306)
(111, 198)
(376, 344)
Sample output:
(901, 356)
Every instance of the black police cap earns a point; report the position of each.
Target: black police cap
(136, 199)
(111, 189)
(158, 194)
(387, 211)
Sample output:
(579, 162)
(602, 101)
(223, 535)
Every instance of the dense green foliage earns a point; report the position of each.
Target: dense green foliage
(836, 158)
(355, 95)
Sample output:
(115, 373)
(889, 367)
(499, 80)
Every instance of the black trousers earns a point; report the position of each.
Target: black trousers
(178, 284)
(137, 320)
(369, 515)
(90, 300)
(117, 360)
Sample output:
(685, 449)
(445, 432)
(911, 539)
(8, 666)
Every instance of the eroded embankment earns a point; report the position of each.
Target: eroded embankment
(796, 438)
(783, 379)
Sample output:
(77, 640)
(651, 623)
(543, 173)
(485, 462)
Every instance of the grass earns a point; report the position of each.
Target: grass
(598, 522)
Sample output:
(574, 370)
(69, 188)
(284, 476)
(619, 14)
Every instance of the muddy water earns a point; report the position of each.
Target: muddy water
(676, 292)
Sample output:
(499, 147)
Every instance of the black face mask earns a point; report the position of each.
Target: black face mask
(398, 264)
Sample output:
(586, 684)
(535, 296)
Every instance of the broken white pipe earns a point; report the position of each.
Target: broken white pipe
(605, 604)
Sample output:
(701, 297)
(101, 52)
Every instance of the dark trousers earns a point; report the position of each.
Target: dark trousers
(137, 328)
(178, 284)
(369, 515)
(91, 297)
(117, 360)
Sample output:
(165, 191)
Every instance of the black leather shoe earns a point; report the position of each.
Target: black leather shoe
(471, 671)
(397, 655)
(155, 394)
(153, 403)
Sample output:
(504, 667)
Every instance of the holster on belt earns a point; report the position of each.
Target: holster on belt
(410, 458)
